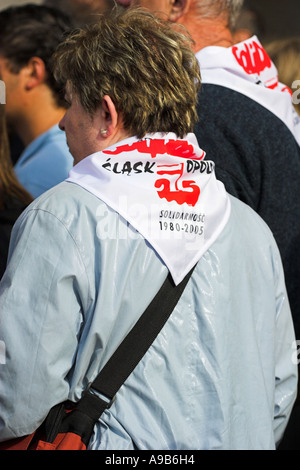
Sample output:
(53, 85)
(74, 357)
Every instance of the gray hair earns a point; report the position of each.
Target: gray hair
(215, 8)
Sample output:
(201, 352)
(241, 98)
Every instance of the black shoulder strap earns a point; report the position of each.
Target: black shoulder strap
(132, 349)
(139, 339)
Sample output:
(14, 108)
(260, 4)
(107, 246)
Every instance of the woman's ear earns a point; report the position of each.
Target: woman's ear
(109, 115)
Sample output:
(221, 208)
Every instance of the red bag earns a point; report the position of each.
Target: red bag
(67, 427)
(63, 441)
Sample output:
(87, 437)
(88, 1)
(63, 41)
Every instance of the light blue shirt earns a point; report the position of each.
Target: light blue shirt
(220, 375)
(45, 162)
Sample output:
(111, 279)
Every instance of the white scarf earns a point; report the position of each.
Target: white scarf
(247, 69)
(165, 189)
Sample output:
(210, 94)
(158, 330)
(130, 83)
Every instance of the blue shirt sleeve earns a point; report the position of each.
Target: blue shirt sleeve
(40, 320)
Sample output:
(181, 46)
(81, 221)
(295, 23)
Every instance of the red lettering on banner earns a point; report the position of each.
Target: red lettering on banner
(176, 148)
(181, 196)
(286, 88)
(253, 58)
(273, 85)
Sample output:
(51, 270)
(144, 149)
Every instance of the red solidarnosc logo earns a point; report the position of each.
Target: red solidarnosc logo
(288, 90)
(176, 148)
(253, 58)
(190, 192)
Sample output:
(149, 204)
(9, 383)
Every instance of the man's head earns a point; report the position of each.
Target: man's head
(144, 65)
(176, 9)
(82, 12)
(27, 33)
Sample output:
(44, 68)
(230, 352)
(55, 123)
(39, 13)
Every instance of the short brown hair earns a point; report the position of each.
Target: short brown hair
(143, 63)
(31, 30)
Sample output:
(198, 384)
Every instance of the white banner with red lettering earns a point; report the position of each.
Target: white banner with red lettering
(165, 190)
(247, 69)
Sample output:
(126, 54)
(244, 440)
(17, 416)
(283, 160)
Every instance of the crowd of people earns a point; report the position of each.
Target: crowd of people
(157, 137)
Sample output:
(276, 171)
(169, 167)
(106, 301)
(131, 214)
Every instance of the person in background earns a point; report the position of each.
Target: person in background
(142, 202)
(247, 24)
(13, 197)
(285, 53)
(247, 125)
(29, 35)
(82, 12)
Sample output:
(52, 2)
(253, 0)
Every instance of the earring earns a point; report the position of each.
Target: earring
(103, 132)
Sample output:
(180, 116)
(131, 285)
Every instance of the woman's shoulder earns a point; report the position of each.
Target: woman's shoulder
(64, 194)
